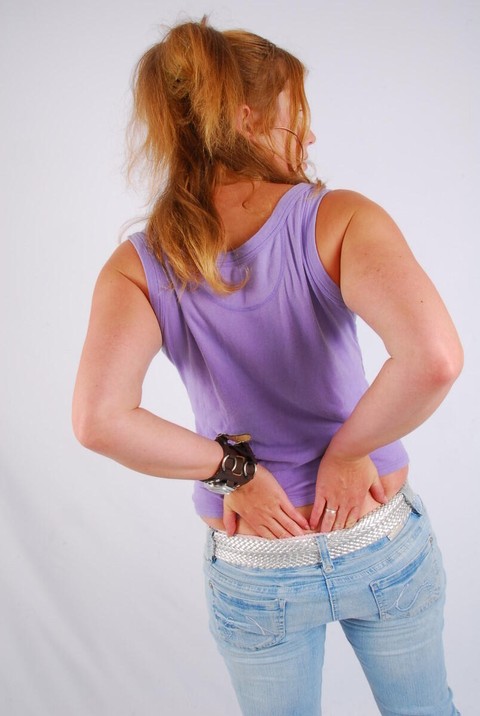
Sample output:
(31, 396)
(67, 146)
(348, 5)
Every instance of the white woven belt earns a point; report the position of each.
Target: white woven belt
(248, 551)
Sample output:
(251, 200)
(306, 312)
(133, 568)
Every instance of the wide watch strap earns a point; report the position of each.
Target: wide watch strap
(238, 465)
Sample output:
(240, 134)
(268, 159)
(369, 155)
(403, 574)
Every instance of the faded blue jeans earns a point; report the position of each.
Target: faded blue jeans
(269, 624)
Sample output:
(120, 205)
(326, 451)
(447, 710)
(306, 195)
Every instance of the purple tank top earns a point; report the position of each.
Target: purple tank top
(278, 359)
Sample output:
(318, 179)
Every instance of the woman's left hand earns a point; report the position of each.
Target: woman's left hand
(264, 505)
(342, 485)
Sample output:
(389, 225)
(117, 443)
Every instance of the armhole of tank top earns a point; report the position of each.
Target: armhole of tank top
(317, 271)
(156, 279)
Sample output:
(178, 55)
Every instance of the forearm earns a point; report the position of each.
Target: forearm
(149, 444)
(401, 398)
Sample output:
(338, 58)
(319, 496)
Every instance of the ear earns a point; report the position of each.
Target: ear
(244, 116)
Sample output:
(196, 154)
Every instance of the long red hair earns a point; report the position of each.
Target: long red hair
(188, 90)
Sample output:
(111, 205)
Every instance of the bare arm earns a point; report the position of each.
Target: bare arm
(381, 281)
(122, 339)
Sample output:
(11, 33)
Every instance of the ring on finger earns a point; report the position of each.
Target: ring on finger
(330, 511)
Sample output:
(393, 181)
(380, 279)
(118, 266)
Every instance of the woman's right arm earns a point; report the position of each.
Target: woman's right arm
(122, 339)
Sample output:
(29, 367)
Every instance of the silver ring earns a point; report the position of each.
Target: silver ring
(332, 512)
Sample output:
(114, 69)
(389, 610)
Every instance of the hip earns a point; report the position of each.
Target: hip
(396, 575)
(392, 483)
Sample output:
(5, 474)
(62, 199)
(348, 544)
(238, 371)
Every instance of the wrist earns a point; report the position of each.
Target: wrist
(339, 451)
(237, 466)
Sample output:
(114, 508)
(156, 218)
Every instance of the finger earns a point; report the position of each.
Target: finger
(377, 491)
(352, 517)
(281, 525)
(282, 531)
(292, 528)
(229, 520)
(328, 519)
(264, 531)
(341, 518)
(294, 516)
(277, 529)
(317, 511)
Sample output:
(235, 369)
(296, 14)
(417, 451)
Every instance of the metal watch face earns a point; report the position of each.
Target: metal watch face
(220, 488)
(235, 439)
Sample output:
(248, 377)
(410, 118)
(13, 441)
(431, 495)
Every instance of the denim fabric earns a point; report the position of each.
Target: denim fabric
(269, 624)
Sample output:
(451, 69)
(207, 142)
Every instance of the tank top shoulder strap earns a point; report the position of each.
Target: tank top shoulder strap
(317, 273)
(158, 283)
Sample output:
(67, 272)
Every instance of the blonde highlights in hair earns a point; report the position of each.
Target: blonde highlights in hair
(188, 91)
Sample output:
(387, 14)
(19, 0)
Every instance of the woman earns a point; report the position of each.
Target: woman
(249, 277)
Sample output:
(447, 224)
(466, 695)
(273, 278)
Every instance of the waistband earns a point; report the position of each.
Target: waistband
(250, 551)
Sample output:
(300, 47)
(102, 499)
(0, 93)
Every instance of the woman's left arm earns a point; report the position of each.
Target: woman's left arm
(381, 282)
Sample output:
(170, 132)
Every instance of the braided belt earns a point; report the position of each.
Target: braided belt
(248, 551)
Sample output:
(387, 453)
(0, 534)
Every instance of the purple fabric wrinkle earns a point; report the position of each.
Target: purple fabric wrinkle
(279, 358)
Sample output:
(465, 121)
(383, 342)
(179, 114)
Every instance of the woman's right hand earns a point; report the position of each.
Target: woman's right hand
(264, 505)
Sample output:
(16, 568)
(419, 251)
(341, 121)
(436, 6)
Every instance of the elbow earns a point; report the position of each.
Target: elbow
(445, 365)
(87, 435)
(92, 430)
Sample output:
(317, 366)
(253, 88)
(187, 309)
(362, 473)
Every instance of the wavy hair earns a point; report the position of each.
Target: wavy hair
(188, 90)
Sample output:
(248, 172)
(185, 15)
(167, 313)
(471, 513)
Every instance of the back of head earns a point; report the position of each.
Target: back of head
(189, 90)
(266, 70)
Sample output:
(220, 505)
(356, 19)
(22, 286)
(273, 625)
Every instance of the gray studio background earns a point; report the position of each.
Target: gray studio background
(101, 601)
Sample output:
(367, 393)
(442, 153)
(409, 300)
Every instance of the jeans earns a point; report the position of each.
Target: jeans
(269, 624)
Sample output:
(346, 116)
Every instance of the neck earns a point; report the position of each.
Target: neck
(225, 177)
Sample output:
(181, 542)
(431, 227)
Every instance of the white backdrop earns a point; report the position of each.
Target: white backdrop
(101, 603)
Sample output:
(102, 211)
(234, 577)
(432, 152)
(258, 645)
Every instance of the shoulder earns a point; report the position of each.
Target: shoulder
(339, 205)
(338, 215)
(126, 261)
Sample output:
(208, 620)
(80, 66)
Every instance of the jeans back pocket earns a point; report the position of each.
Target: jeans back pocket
(412, 588)
(245, 623)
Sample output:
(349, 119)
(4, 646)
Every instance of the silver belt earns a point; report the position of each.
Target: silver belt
(248, 551)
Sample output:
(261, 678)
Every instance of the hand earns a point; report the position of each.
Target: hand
(266, 508)
(342, 485)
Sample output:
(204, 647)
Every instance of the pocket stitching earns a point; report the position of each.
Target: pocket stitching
(381, 586)
(227, 627)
